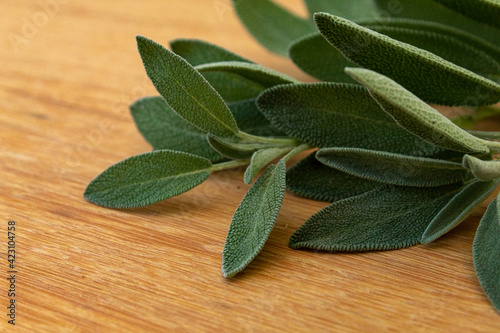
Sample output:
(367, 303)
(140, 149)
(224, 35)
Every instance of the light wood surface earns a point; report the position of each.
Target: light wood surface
(65, 89)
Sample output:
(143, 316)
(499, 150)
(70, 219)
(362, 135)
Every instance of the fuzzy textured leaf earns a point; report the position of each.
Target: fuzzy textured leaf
(432, 11)
(387, 218)
(232, 149)
(251, 120)
(428, 76)
(147, 178)
(164, 129)
(486, 135)
(487, 11)
(486, 252)
(475, 55)
(482, 170)
(258, 74)
(272, 25)
(185, 90)
(337, 115)
(313, 180)
(458, 209)
(315, 56)
(254, 219)
(416, 116)
(395, 169)
(198, 52)
(233, 87)
(425, 26)
(352, 10)
(260, 159)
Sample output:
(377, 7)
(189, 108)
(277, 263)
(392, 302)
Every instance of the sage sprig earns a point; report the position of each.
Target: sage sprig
(396, 171)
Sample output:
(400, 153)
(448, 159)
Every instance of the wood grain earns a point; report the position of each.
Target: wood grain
(65, 89)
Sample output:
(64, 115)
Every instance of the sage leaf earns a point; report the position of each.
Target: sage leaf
(482, 170)
(430, 10)
(148, 178)
(164, 129)
(386, 218)
(487, 11)
(272, 25)
(352, 10)
(254, 219)
(392, 168)
(432, 29)
(475, 54)
(236, 148)
(236, 81)
(258, 74)
(313, 180)
(428, 76)
(486, 135)
(251, 120)
(185, 90)
(227, 148)
(260, 159)
(486, 252)
(233, 87)
(315, 56)
(416, 116)
(337, 115)
(458, 209)
(198, 52)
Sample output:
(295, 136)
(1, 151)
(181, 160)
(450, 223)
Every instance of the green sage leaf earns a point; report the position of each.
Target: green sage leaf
(458, 209)
(236, 81)
(416, 116)
(487, 11)
(392, 168)
(260, 159)
(433, 29)
(482, 170)
(258, 74)
(430, 10)
(198, 52)
(313, 180)
(164, 129)
(272, 25)
(486, 252)
(230, 148)
(337, 115)
(428, 76)
(147, 178)
(254, 219)
(315, 56)
(386, 218)
(251, 120)
(233, 87)
(486, 135)
(352, 10)
(475, 54)
(237, 148)
(185, 90)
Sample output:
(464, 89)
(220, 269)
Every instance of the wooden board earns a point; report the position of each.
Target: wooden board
(68, 73)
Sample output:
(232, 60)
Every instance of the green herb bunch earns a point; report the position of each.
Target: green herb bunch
(396, 171)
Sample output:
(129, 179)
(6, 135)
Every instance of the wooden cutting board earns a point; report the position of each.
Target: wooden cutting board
(69, 70)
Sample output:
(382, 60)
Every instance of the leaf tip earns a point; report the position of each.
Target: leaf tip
(228, 273)
(427, 237)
